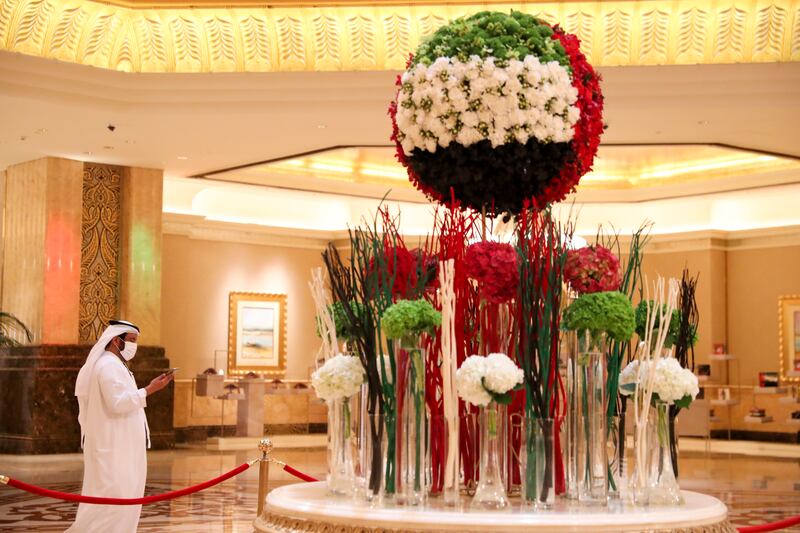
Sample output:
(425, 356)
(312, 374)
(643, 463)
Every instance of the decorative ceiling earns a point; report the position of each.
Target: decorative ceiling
(621, 172)
(217, 36)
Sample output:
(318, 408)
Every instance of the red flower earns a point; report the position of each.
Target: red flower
(494, 266)
(400, 265)
(592, 269)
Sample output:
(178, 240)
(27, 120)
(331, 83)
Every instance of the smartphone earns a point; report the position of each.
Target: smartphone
(171, 371)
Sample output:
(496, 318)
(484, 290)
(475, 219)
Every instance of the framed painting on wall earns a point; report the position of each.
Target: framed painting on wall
(789, 337)
(257, 334)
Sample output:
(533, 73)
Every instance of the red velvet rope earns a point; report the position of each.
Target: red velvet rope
(772, 526)
(298, 474)
(33, 489)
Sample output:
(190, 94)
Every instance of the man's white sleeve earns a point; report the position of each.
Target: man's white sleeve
(118, 395)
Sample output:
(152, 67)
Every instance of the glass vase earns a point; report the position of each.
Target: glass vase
(616, 457)
(592, 452)
(644, 465)
(573, 415)
(664, 488)
(451, 486)
(412, 430)
(537, 462)
(491, 492)
(341, 475)
(373, 457)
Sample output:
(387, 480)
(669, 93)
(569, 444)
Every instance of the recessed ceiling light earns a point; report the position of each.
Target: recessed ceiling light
(182, 157)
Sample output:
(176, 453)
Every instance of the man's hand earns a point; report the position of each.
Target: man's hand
(158, 383)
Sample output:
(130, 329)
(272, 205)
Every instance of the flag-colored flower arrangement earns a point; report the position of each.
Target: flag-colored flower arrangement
(497, 111)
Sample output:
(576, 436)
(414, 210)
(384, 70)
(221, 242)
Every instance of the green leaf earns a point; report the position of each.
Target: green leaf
(684, 402)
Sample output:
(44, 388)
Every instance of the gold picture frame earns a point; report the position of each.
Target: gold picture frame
(257, 334)
(789, 337)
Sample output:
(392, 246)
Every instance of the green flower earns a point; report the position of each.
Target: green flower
(489, 33)
(406, 319)
(674, 323)
(601, 312)
(344, 328)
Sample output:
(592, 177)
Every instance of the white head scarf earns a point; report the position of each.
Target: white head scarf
(82, 384)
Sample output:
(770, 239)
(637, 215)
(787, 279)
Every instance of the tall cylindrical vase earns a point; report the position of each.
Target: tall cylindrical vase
(341, 476)
(573, 415)
(491, 492)
(412, 430)
(617, 465)
(664, 488)
(451, 488)
(537, 462)
(592, 437)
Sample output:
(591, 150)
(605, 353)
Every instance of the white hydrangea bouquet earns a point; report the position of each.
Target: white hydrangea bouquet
(673, 384)
(481, 380)
(340, 377)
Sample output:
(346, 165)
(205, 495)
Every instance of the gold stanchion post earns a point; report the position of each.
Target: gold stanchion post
(265, 447)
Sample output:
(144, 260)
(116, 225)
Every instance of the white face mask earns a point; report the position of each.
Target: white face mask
(129, 351)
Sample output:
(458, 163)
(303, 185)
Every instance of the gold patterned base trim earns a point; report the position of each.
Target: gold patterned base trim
(274, 523)
(354, 35)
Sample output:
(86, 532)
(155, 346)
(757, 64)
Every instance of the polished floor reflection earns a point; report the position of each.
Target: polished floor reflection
(756, 489)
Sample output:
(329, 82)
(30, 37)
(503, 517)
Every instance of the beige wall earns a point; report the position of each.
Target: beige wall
(711, 328)
(197, 277)
(737, 295)
(755, 280)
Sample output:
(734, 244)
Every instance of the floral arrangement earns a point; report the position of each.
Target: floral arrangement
(408, 318)
(673, 384)
(340, 377)
(494, 266)
(497, 110)
(674, 324)
(481, 380)
(599, 313)
(593, 269)
(340, 319)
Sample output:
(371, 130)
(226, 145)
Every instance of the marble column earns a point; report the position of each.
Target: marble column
(42, 247)
(140, 261)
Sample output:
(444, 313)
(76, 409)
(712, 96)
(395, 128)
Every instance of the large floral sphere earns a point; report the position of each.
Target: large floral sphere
(497, 111)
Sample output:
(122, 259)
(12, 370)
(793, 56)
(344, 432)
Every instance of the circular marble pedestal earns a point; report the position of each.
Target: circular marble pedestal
(307, 507)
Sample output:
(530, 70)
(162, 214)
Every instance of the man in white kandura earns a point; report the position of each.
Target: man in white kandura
(114, 431)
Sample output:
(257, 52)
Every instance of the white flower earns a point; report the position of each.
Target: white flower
(672, 381)
(469, 381)
(340, 377)
(449, 87)
(502, 374)
(478, 375)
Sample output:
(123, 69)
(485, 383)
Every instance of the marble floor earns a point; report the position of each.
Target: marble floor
(756, 489)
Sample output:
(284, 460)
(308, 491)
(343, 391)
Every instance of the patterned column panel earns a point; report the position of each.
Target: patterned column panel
(100, 249)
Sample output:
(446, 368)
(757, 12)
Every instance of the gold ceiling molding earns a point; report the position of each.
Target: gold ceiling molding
(352, 35)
